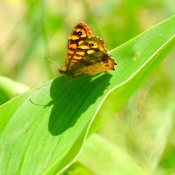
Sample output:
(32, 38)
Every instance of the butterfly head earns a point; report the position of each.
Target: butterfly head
(65, 72)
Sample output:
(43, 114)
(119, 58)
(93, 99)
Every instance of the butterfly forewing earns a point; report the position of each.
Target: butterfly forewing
(80, 33)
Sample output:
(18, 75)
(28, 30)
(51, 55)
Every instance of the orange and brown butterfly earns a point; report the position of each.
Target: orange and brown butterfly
(86, 54)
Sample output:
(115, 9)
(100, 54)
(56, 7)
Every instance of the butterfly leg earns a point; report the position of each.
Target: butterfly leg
(80, 85)
(66, 83)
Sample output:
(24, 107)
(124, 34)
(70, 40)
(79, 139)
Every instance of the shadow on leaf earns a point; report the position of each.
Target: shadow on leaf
(68, 107)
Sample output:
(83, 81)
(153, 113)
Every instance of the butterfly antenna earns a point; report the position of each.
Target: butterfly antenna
(54, 63)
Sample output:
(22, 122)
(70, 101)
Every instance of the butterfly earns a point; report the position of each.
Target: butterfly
(86, 54)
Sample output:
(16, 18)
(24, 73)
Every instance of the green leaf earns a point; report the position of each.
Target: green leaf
(9, 89)
(117, 161)
(44, 129)
(77, 169)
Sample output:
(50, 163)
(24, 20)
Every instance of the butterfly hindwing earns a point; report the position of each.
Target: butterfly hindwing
(92, 64)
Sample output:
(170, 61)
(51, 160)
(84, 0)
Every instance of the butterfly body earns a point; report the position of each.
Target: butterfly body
(86, 54)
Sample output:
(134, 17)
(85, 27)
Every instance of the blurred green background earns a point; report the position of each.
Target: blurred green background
(31, 30)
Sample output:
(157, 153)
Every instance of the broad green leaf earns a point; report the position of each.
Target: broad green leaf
(44, 129)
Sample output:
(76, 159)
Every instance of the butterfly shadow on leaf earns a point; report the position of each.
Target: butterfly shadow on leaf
(68, 107)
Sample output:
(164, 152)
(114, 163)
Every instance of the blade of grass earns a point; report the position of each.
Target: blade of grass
(111, 157)
(6, 90)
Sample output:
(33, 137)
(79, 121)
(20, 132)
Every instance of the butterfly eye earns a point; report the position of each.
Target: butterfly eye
(79, 33)
(91, 44)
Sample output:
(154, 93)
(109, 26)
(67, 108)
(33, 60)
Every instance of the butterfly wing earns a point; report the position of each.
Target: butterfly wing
(86, 54)
(90, 45)
(91, 57)
(79, 34)
(93, 63)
